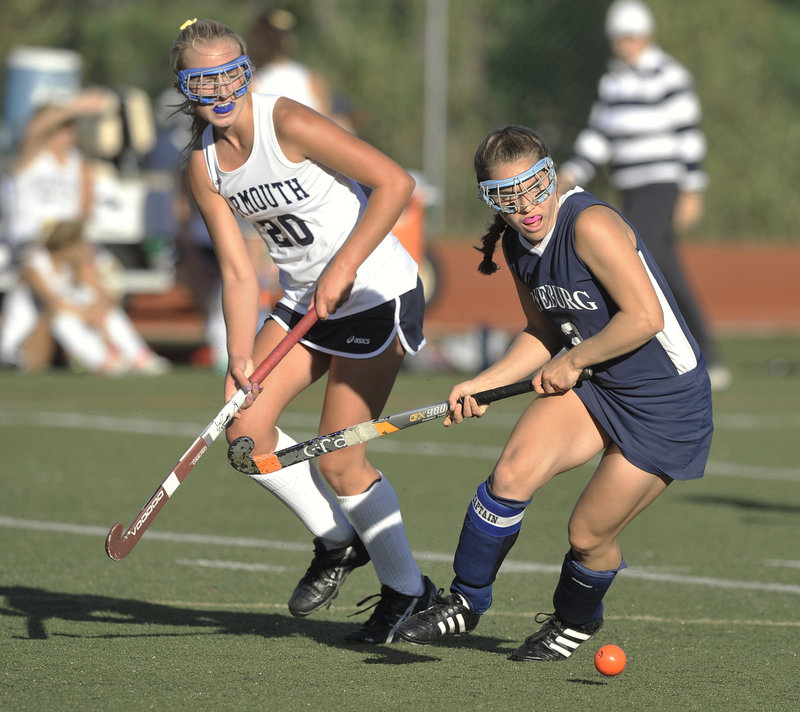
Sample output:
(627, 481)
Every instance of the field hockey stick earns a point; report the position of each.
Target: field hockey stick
(240, 452)
(241, 457)
(119, 545)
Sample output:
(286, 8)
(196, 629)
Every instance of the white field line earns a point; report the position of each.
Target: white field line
(62, 528)
(509, 567)
(234, 565)
(146, 426)
(308, 420)
(636, 617)
(783, 563)
(494, 612)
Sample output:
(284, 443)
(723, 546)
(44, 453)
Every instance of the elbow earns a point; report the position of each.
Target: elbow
(653, 322)
(410, 184)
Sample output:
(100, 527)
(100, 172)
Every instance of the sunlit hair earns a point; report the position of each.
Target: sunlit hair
(190, 37)
(59, 235)
(506, 145)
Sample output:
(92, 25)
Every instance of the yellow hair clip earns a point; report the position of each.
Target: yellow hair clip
(187, 23)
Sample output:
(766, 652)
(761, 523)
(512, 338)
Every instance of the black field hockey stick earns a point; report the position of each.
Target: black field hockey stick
(119, 545)
(240, 452)
(241, 457)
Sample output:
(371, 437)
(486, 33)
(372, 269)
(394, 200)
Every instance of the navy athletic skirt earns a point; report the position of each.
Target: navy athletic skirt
(365, 334)
(663, 427)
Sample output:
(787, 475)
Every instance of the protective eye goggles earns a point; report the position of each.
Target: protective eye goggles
(532, 187)
(211, 84)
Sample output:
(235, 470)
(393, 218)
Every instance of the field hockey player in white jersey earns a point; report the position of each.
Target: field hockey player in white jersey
(297, 177)
(593, 298)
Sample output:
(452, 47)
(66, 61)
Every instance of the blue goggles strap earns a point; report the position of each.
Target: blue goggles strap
(186, 77)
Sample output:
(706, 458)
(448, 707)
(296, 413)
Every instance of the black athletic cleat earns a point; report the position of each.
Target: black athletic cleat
(447, 616)
(391, 609)
(325, 576)
(555, 640)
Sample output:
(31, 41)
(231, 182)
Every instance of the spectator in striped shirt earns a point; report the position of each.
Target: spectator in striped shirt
(645, 126)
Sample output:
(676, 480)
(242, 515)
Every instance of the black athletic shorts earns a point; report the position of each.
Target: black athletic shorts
(367, 333)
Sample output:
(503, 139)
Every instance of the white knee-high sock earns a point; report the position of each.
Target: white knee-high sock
(301, 488)
(375, 515)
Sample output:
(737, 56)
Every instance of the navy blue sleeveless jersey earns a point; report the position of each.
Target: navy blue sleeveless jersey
(654, 402)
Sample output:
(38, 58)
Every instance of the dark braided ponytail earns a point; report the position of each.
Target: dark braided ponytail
(488, 243)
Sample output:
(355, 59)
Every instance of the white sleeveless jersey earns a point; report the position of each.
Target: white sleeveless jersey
(44, 192)
(304, 212)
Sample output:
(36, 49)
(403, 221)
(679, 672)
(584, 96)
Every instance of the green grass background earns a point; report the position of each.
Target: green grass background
(166, 628)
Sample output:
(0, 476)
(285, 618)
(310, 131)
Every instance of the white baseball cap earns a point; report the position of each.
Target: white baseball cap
(629, 17)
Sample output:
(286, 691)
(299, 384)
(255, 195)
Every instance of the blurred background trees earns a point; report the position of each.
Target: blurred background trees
(533, 62)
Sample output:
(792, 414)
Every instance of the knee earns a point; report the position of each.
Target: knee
(511, 481)
(233, 431)
(334, 467)
(330, 470)
(345, 474)
(265, 439)
(585, 542)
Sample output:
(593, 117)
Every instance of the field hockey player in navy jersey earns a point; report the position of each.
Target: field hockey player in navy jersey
(593, 299)
(297, 178)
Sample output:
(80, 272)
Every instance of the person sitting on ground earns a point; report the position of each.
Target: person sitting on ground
(60, 299)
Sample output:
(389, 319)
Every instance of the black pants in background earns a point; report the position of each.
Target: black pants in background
(650, 210)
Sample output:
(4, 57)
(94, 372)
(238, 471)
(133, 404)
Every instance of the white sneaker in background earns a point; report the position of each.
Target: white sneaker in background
(720, 376)
(151, 365)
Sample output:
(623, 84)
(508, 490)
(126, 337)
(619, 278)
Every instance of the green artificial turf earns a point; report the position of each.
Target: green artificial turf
(195, 617)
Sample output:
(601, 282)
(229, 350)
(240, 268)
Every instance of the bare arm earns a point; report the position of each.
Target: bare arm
(532, 347)
(46, 120)
(689, 209)
(93, 313)
(239, 281)
(305, 134)
(87, 190)
(50, 299)
(606, 245)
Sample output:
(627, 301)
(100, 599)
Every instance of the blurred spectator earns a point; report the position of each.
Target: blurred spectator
(50, 179)
(645, 124)
(61, 296)
(271, 45)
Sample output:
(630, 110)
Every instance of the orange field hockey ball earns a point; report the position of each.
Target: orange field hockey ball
(610, 660)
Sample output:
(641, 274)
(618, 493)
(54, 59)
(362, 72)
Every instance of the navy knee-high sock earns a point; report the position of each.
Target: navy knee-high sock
(489, 531)
(578, 598)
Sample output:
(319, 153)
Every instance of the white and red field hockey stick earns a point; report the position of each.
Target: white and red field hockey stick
(119, 545)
